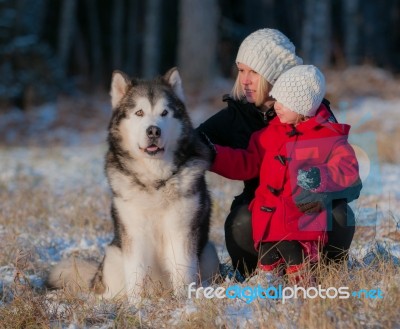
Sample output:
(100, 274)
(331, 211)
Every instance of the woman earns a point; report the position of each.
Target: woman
(262, 57)
(298, 151)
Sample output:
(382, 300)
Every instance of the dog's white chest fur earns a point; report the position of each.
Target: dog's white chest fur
(155, 218)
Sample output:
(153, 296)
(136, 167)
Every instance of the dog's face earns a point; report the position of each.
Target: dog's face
(149, 116)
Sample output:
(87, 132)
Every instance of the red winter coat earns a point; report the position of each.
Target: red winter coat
(277, 152)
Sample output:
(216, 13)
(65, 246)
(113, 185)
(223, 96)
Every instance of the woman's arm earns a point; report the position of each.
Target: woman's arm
(215, 127)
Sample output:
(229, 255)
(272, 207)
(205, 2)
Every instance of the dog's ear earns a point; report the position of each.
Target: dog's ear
(119, 86)
(175, 81)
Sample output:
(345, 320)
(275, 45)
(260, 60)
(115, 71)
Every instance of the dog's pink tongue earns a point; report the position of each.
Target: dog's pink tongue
(152, 148)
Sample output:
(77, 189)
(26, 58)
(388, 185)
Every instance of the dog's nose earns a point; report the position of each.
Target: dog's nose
(153, 132)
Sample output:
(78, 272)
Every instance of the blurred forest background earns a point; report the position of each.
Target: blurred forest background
(70, 47)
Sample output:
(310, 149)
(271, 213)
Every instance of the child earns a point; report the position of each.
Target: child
(298, 153)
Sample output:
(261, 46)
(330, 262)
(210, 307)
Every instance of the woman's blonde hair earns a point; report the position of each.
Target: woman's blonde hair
(263, 88)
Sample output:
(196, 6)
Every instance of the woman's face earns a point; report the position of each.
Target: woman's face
(285, 115)
(249, 80)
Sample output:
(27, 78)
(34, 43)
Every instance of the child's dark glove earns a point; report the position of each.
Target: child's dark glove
(309, 202)
(309, 179)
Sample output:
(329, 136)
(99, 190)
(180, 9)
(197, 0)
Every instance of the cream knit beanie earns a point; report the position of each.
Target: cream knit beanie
(269, 53)
(301, 89)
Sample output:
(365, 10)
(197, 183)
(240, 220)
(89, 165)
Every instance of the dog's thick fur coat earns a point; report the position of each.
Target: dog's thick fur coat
(161, 207)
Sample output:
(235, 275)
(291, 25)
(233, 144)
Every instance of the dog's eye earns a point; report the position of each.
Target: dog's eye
(139, 113)
(164, 113)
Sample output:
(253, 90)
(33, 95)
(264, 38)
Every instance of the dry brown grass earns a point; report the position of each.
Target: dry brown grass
(360, 81)
(40, 222)
(84, 212)
(29, 309)
(385, 139)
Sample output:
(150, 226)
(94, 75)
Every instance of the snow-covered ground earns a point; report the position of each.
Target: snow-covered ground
(77, 165)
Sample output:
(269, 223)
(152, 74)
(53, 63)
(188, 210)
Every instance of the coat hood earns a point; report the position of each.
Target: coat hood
(323, 118)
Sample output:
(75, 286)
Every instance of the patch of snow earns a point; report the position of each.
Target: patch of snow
(66, 169)
(237, 314)
(61, 168)
(366, 109)
(180, 313)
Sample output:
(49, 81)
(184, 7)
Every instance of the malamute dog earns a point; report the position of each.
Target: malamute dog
(161, 207)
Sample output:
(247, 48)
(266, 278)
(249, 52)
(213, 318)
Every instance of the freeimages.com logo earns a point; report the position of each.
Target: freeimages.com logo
(250, 293)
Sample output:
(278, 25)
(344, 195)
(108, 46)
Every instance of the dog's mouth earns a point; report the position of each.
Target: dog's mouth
(153, 149)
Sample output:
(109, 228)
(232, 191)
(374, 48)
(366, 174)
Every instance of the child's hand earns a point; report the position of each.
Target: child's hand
(309, 179)
(309, 202)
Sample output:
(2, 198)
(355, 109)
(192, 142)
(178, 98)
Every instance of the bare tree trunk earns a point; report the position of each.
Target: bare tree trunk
(132, 38)
(31, 16)
(117, 34)
(197, 42)
(151, 47)
(376, 28)
(316, 41)
(351, 30)
(66, 31)
(95, 41)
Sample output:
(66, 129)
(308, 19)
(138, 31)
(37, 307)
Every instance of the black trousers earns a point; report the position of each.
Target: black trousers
(240, 245)
(290, 251)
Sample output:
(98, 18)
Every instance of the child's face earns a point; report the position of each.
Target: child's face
(285, 115)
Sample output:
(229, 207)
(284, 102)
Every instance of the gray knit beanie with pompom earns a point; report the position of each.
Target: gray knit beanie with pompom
(269, 53)
(300, 89)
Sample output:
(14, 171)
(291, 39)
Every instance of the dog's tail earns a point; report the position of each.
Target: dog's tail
(73, 274)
